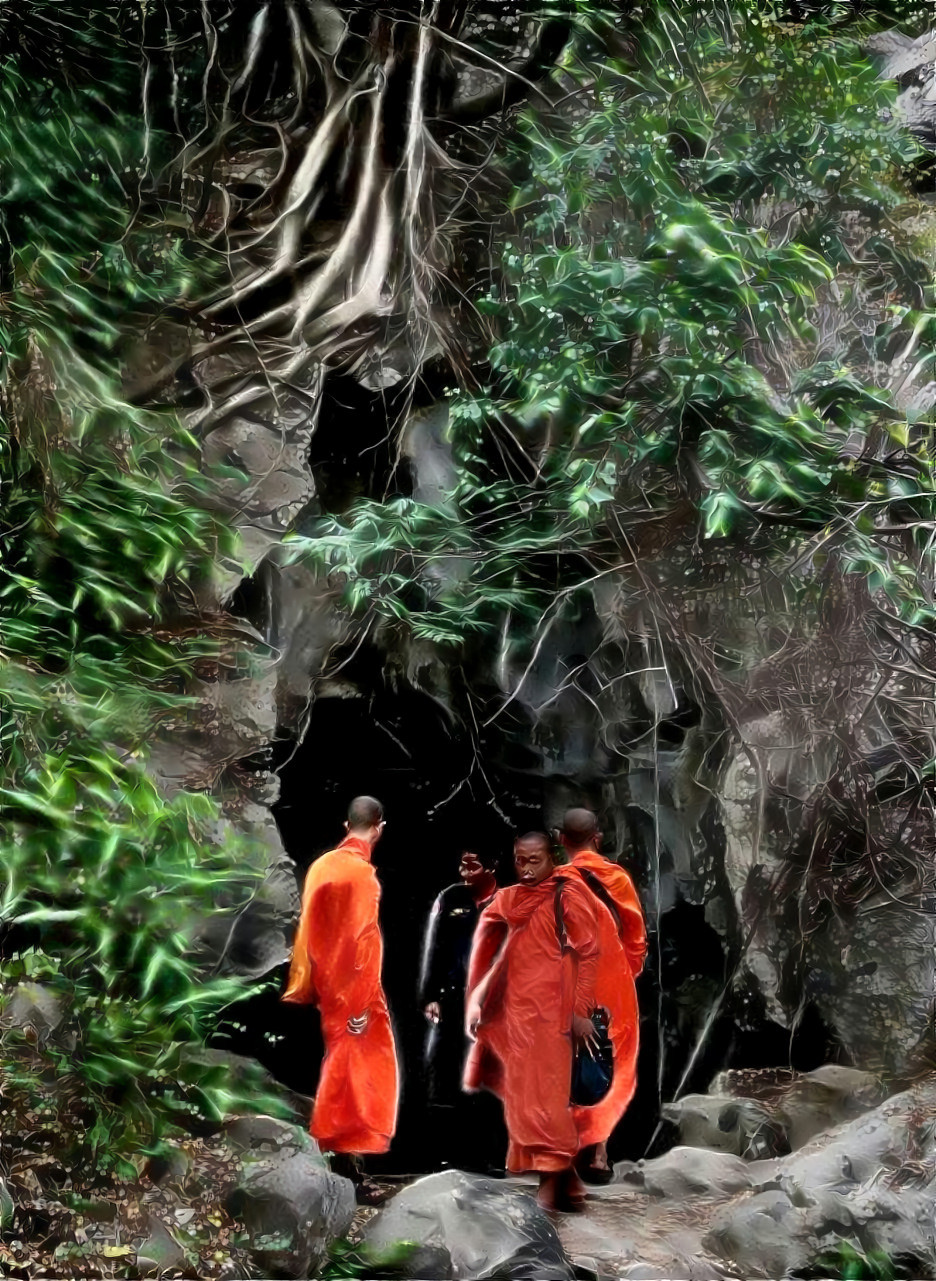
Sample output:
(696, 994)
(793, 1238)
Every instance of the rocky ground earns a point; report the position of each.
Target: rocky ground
(806, 1176)
(775, 1176)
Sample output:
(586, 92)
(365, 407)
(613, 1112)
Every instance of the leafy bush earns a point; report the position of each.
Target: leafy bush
(853, 1265)
(347, 1260)
(715, 268)
(105, 532)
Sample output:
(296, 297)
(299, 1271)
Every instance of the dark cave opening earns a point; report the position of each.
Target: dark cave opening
(354, 454)
(397, 744)
(382, 737)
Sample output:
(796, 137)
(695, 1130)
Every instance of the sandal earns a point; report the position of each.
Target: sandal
(594, 1174)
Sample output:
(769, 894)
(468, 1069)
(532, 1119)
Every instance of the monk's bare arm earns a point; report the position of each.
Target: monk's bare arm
(485, 948)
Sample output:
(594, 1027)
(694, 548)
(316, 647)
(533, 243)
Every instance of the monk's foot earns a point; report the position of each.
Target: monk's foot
(561, 1192)
(572, 1191)
(366, 1191)
(593, 1164)
(548, 1194)
(347, 1165)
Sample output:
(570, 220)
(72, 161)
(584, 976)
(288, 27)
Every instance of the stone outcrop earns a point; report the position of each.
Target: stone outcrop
(292, 1206)
(709, 790)
(867, 1185)
(488, 1230)
(757, 1115)
(855, 1198)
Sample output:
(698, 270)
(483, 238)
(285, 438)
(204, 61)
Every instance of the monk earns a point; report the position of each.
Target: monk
(336, 965)
(623, 948)
(529, 1000)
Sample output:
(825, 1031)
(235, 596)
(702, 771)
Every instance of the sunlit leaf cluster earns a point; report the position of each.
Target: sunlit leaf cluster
(104, 534)
(709, 309)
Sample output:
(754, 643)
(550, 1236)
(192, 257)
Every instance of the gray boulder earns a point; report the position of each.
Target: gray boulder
(851, 1154)
(819, 1100)
(292, 1206)
(723, 1123)
(763, 1114)
(693, 1172)
(38, 1012)
(764, 1236)
(489, 1230)
(870, 1183)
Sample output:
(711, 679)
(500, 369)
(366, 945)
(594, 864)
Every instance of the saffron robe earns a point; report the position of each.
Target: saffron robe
(622, 943)
(336, 965)
(529, 989)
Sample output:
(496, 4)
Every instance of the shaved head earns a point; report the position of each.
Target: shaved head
(364, 812)
(533, 839)
(579, 827)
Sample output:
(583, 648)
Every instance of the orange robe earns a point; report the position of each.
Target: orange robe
(336, 965)
(623, 946)
(529, 990)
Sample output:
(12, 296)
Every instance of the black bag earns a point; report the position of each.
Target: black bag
(592, 1077)
(592, 1071)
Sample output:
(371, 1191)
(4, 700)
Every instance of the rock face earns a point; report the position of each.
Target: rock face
(684, 1173)
(291, 1204)
(870, 1183)
(860, 1190)
(782, 1115)
(708, 802)
(488, 1230)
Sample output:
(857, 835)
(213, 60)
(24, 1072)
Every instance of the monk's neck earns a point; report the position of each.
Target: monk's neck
(587, 851)
(357, 845)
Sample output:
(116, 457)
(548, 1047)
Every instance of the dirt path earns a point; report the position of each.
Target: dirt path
(625, 1233)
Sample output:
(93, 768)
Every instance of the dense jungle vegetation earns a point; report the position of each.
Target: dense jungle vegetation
(670, 265)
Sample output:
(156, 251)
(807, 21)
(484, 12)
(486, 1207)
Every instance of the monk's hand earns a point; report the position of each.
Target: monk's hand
(433, 1011)
(472, 1019)
(583, 1030)
(358, 1024)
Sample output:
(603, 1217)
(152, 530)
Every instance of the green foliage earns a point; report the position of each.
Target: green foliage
(850, 1264)
(346, 1260)
(104, 531)
(711, 270)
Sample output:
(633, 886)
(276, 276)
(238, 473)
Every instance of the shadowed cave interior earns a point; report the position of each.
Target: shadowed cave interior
(402, 746)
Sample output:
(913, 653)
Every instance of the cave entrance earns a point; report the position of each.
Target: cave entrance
(370, 735)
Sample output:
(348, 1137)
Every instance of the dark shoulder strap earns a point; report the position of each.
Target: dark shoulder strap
(594, 883)
(560, 922)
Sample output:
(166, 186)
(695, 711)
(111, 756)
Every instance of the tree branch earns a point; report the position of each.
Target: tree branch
(517, 81)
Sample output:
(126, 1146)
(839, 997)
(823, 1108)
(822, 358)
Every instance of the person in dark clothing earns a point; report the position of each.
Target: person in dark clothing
(466, 1137)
